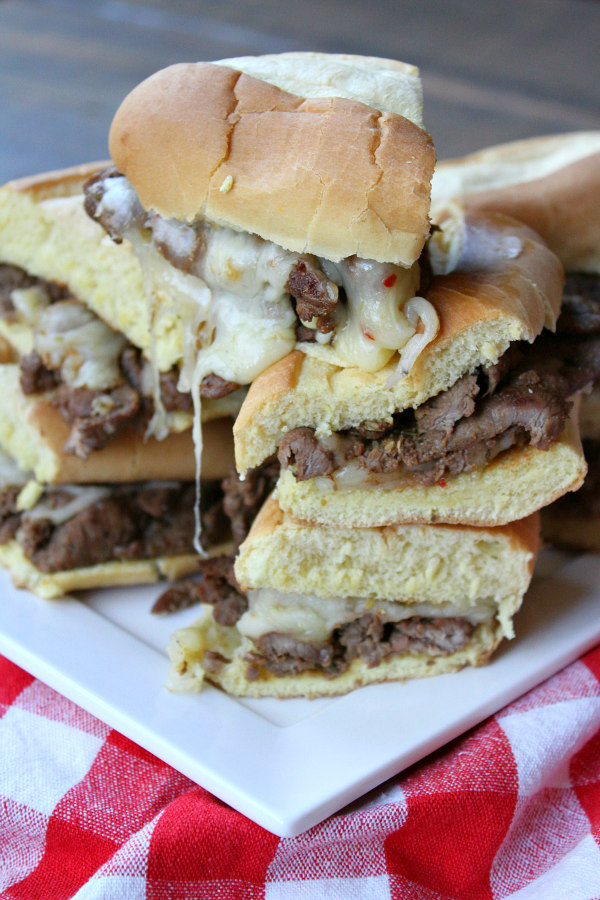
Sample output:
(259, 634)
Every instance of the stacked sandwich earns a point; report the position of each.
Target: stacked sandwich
(552, 184)
(418, 423)
(97, 457)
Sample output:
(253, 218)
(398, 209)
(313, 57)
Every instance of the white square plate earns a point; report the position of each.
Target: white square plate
(286, 764)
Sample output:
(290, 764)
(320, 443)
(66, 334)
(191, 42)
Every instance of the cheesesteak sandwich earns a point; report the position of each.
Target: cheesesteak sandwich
(274, 201)
(553, 184)
(124, 515)
(481, 429)
(318, 611)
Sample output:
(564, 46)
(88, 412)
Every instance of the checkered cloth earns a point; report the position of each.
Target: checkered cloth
(510, 810)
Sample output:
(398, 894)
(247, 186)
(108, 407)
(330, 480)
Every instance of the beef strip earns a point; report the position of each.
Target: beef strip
(216, 585)
(441, 413)
(524, 398)
(315, 295)
(14, 278)
(35, 377)
(10, 517)
(95, 416)
(243, 499)
(147, 521)
(302, 448)
(213, 387)
(367, 638)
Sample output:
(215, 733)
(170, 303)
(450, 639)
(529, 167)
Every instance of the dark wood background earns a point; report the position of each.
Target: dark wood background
(493, 70)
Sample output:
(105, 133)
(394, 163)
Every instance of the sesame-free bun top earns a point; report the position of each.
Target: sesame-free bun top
(551, 183)
(320, 174)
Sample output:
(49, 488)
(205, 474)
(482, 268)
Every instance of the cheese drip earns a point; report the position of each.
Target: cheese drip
(229, 291)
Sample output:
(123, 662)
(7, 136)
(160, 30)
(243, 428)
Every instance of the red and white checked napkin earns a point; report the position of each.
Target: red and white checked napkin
(510, 810)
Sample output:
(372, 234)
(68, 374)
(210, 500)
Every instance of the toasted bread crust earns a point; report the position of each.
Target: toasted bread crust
(550, 183)
(328, 176)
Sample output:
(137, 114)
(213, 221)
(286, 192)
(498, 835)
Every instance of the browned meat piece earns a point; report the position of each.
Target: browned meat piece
(301, 447)
(315, 295)
(35, 377)
(216, 585)
(213, 387)
(95, 416)
(367, 638)
(442, 412)
(243, 499)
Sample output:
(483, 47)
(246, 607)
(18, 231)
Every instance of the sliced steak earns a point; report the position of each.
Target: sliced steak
(35, 377)
(243, 499)
(523, 399)
(140, 522)
(216, 585)
(213, 387)
(302, 448)
(367, 638)
(442, 412)
(315, 295)
(95, 417)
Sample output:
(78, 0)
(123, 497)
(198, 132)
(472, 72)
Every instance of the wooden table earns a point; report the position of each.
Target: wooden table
(493, 70)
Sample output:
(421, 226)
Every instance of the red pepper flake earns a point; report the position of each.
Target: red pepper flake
(390, 281)
(442, 482)
(367, 333)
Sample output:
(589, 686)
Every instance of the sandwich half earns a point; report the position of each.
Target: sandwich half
(325, 610)
(268, 200)
(551, 183)
(126, 514)
(481, 430)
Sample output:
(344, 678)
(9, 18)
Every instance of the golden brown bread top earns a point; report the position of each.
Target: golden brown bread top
(550, 183)
(329, 176)
(505, 286)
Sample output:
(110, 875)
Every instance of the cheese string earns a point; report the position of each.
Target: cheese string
(417, 308)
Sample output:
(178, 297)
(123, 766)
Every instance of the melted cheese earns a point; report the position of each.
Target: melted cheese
(313, 618)
(73, 340)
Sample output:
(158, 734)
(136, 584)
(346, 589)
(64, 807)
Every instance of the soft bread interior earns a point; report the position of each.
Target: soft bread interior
(515, 484)
(325, 175)
(34, 433)
(505, 286)
(551, 183)
(430, 564)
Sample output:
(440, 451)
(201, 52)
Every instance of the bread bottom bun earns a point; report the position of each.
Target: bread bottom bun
(188, 646)
(34, 433)
(53, 585)
(514, 485)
